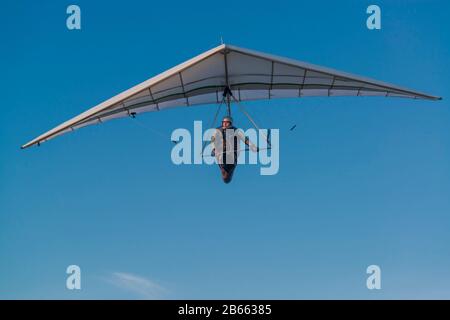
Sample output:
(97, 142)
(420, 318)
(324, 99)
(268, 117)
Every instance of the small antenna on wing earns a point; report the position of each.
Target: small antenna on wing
(221, 40)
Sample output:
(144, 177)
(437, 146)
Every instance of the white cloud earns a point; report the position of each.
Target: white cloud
(141, 286)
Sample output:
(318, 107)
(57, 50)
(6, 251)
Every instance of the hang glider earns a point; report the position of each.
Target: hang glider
(244, 74)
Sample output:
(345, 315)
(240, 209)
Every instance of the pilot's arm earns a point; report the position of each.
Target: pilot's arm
(247, 141)
(216, 142)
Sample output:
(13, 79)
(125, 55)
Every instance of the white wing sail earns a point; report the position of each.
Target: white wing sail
(250, 75)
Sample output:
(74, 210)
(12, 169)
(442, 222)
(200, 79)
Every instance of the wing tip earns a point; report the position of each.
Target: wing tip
(429, 97)
(26, 145)
(30, 144)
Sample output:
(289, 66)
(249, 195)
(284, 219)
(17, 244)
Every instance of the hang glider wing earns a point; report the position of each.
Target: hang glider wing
(249, 74)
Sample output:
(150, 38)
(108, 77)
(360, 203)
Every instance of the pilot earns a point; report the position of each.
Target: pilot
(226, 142)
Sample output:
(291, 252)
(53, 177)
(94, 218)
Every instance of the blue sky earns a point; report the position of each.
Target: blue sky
(362, 180)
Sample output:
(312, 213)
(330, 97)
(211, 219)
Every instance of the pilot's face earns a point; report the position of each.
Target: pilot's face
(226, 124)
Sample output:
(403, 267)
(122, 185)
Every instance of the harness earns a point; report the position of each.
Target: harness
(225, 141)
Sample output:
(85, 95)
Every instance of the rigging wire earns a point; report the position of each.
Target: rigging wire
(211, 125)
(251, 120)
(145, 126)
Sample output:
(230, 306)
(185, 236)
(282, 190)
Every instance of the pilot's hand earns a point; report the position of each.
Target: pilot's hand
(254, 148)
